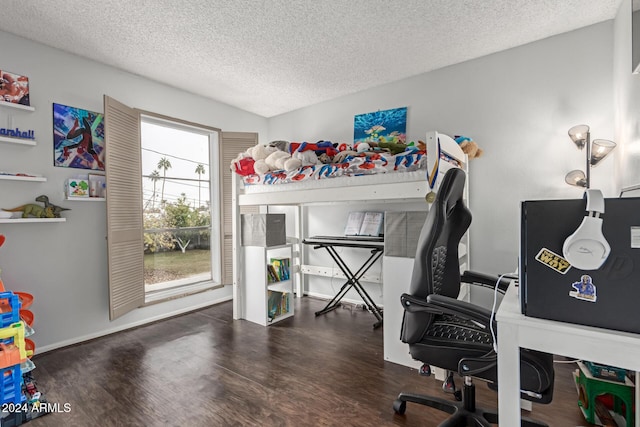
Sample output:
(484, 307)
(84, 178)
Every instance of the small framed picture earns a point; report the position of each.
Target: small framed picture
(78, 187)
(14, 88)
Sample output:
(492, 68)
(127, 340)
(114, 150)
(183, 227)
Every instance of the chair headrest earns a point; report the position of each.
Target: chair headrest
(451, 189)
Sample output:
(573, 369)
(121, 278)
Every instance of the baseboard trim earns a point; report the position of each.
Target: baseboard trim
(347, 300)
(131, 325)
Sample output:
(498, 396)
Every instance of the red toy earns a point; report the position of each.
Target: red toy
(319, 147)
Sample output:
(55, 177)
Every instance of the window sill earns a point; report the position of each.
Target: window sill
(161, 295)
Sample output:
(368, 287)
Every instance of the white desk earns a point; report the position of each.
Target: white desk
(515, 330)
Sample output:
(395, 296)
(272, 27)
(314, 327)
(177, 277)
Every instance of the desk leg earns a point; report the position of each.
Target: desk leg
(508, 375)
(637, 417)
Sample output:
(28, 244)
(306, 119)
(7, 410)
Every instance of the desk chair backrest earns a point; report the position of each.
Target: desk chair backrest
(436, 269)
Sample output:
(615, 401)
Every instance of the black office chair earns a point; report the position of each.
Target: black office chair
(455, 335)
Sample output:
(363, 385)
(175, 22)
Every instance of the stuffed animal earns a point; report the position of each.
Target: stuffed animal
(392, 147)
(243, 163)
(344, 146)
(325, 159)
(420, 146)
(342, 156)
(280, 145)
(319, 147)
(281, 160)
(362, 147)
(306, 158)
(259, 153)
(469, 147)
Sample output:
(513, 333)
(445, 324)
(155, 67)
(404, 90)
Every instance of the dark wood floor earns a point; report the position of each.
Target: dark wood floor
(204, 369)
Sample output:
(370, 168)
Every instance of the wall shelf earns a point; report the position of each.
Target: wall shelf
(20, 141)
(85, 199)
(31, 220)
(23, 178)
(17, 106)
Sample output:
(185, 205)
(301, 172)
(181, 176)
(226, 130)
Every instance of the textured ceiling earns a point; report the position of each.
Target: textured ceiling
(273, 56)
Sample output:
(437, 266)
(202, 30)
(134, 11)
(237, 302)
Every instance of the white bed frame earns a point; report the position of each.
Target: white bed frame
(392, 187)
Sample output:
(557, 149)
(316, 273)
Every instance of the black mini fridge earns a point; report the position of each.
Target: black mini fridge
(550, 288)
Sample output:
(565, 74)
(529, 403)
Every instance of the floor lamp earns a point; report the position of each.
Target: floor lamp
(596, 150)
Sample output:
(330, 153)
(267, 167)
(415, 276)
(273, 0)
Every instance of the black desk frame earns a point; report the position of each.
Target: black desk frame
(353, 280)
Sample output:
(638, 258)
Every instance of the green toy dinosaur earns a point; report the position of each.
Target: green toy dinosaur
(31, 209)
(48, 205)
(48, 211)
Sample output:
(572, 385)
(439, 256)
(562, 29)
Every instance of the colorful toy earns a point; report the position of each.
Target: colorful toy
(590, 388)
(393, 147)
(344, 146)
(319, 147)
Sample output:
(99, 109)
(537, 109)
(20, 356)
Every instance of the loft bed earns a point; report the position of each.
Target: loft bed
(384, 181)
(388, 185)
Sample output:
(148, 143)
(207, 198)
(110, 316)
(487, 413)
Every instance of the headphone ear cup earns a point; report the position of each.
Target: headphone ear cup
(586, 248)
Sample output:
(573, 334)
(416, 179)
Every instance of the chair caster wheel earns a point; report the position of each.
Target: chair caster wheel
(399, 407)
(458, 395)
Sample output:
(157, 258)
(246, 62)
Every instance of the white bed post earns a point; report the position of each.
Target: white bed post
(300, 224)
(236, 247)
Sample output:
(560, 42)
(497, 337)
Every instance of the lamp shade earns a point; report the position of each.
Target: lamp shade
(578, 135)
(577, 178)
(600, 148)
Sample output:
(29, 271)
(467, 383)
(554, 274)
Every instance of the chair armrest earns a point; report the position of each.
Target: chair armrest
(486, 280)
(439, 304)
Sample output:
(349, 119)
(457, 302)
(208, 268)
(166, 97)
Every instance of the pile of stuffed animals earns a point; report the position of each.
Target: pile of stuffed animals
(288, 156)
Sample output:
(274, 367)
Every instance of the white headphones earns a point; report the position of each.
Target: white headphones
(586, 248)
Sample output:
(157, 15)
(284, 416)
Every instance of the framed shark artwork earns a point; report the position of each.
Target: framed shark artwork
(381, 126)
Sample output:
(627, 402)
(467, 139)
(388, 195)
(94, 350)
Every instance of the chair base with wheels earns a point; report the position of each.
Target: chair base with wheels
(463, 414)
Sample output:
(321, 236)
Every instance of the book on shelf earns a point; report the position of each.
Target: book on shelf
(272, 274)
(278, 304)
(361, 223)
(282, 268)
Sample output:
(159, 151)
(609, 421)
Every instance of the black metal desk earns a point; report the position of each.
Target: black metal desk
(376, 245)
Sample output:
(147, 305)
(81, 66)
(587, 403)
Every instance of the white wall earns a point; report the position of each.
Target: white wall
(517, 105)
(65, 265)
(627, 101)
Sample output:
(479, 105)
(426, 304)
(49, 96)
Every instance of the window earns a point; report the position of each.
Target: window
(191, 193)
(178, 206)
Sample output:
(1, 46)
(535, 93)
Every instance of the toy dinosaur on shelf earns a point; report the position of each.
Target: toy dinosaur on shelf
(31, 209)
